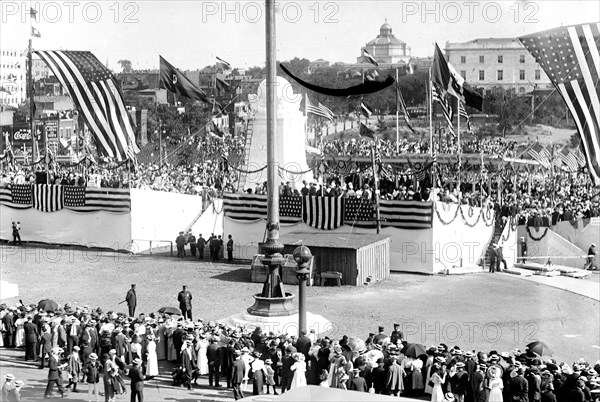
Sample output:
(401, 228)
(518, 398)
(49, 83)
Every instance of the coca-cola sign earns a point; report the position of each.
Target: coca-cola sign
(22, 135)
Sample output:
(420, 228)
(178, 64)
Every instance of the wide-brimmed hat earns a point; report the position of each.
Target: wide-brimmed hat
(460, 365)
(449, 396)
(137, 361)
(9, 377)
(19, 383)
(93, 356)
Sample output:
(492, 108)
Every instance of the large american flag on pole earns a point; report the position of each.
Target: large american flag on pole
(96, 93)
(570, 57)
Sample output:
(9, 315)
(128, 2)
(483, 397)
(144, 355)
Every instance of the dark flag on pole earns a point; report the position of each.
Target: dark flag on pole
(174, 81)
(463, 113)
(365, 110)
(365, 131)
(402, 108)
(570, 57)
(369, 58)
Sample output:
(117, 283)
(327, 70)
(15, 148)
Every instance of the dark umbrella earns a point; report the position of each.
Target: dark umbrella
(413, 350)
(169, 310)
(540, 348)
(47, 305)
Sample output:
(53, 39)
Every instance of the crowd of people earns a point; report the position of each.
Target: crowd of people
(92, 348)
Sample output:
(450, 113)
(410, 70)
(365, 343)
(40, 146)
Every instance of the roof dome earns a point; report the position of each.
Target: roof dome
(386, 26)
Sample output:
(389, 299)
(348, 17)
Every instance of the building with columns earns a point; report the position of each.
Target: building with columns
(388, 51)
(491, 63)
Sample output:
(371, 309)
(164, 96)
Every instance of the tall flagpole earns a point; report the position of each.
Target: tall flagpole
(431, 151)
(31, 101)
(377, 214)
(397, 124)
(459, 146)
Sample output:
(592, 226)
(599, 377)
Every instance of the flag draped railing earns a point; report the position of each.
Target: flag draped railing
(327, 213)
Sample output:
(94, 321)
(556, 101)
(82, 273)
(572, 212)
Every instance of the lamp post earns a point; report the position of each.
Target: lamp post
(302, 256)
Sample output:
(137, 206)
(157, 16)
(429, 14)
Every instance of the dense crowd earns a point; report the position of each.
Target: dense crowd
(99, 348)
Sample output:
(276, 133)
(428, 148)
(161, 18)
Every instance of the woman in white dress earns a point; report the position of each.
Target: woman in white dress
(201, 348)
(20, 334)
(247, 359)
(438, 378)
(495, 385)
(417, 376)
(136, 348)
(299, 369)
(152, 362)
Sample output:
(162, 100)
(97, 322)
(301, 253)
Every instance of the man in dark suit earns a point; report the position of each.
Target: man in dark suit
(53, 374)
(237, 375)
(31, 339)
(73, 330)
(131, 300)
(230, 249)
(213, 355)
(120, 342)
(137, 381)
(518, 387)
(287, 374)
(185, 302)
(200, 243)
(358, 383)
(396, 335)
(303, 344)
(9, 329)
(380, 335)
(45, 345)
(459, 382)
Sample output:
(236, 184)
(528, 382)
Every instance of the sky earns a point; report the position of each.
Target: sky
(189, 34)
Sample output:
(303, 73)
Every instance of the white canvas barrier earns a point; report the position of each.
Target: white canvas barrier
(89, 229)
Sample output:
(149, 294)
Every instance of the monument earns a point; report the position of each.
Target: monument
(273, 309)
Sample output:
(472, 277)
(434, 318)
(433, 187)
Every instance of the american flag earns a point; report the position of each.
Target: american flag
(463, 113)
(17, 196)
(579, 157)
(47, 197)
(96, 93)
(252, 207)
(318, 110)
(440, 97)
(540, 154)
(401, 106)
(359, 212)
(406, 214)
(570, 57)
(323, 213)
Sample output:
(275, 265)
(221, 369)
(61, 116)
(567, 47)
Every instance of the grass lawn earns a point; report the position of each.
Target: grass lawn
(479, 311)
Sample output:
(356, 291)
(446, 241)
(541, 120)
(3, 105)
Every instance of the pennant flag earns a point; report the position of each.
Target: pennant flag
(365, 110)
(369, 58)
(402, 108)
(33, 12)
(570, 57)
(2, 89)
(438, 95)
(463, 113)
(221, 85)
(540, 154)
(325, 213)
(48, 197)
(96, 93)
(319, 110)
(35, 33)
(174, 81)
(223, 64)
(365, 131)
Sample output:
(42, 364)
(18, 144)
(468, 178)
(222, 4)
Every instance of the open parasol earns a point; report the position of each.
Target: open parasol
(47, 305)
(169, 310)
(413, 350)
(540, 348)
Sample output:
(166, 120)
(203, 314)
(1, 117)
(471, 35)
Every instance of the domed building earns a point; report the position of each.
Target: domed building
(386, 48)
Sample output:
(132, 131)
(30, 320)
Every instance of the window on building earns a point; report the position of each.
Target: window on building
(537, 74)
(521, 75)
(481, 59)
(463, 74)
(500, 75)
(500, 59)
(463, 59)
(522, 58)
(481, 75)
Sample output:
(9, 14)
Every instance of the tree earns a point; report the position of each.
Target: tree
(512, 110)
(125, 66)
(299, 66)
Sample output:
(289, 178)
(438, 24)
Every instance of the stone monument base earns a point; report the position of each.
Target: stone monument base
(282, 324)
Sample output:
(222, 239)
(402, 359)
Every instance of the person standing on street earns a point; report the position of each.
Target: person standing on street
(137, 381)
(31, 339)
(185, 302)
(237, 375)
(16, 227)
(200, 244)
(180, 241)
(192, 241)
(131, 300)
(230, 249)
(53, 373)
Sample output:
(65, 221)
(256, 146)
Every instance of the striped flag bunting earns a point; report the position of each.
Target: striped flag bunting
(95, 91)
(540, 154)
(568, 159)
(463, 113)
(406, 214)
(318, 110)
(47, 197)
(54, 197)
(369, 58)
(323, 213)
(570, 56)
(222, 64)
(326, 213)
(439, 96)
